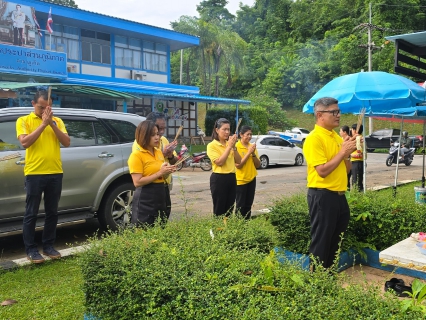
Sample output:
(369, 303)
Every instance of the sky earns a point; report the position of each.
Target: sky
(157, 13)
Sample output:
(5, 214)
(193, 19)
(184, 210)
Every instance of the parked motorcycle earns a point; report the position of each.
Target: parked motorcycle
(393, 155)
(197, 160)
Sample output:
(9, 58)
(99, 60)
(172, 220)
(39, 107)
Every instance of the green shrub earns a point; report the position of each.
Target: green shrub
(175, 272)
(256, 117)
(378, 220)
(181, 272)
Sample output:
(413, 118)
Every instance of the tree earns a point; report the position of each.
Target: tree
(219, 55)
(68, 3)
(211, 10)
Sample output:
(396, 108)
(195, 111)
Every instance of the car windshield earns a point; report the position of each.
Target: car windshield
(304, 130)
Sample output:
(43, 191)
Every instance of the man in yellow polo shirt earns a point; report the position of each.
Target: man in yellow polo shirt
(328, 163)
(41, 134)
(168, 152)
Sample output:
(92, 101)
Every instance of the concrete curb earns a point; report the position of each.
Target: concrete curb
(13, 264)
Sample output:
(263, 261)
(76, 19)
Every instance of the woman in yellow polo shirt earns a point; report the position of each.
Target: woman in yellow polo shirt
(148, 170)
(223, 154)
(246, 172)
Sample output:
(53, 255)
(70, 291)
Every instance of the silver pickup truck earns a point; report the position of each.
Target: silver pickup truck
(96, 178)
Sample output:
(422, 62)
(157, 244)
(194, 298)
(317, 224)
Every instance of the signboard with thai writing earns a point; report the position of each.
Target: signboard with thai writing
(35, 62)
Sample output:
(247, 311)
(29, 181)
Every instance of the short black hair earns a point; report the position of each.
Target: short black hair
(40, 94)
(154, 116)
(325, 102)
(244, 129)
(346, 129)
(217, 125)
(360, 129)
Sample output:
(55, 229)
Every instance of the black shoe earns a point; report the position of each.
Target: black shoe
(392, 282)
(402, 291)
(51, 253)
(35, 257)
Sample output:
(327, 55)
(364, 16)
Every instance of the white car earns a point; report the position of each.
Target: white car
(276, 150)
(295, 135)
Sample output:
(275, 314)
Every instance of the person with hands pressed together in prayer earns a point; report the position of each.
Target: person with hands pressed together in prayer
(224, 156)
(328, 163)
(149, 170)
(41, 134)
(246, 172)
(168, 152)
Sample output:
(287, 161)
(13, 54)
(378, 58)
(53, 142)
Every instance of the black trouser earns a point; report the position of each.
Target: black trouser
(329, 213)
(245, 197)
(168, 201)
(149, 204)
(223, 188)
(17, 36)
(358, 174)
(50, 186)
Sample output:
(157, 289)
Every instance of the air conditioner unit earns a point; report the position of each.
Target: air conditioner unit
(72, 68)
(138, 75)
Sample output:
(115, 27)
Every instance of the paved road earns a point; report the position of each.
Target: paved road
(192, 187)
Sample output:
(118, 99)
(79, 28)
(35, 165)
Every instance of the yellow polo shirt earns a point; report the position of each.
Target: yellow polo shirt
(44, 155)
(143, 162)
(320, 146)
(163, 143)
(248, 172)
(214, 150)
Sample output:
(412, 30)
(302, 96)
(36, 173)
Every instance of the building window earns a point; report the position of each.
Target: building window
(95, 46)
(128, 52)
(154, 56)
(64, 39)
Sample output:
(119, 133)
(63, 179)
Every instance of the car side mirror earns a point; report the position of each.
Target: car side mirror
(292, 145)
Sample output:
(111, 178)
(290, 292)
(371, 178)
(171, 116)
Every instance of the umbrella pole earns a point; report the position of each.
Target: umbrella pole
(364, 162)
(423, 152)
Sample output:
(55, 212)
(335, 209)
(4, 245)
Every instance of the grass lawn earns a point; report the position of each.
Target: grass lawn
(307, 121)
(48, 291)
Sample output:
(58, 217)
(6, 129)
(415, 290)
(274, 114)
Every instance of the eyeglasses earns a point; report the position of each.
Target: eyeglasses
(333, 112)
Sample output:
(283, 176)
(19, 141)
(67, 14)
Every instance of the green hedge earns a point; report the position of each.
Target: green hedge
(256, 117)
(378, 220)
(181, 272)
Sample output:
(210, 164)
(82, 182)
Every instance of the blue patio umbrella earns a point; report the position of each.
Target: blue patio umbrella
(375, 91)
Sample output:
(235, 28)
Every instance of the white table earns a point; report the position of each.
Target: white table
(404, 254)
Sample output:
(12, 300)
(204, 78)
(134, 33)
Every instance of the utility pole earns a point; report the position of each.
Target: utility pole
(370, 47)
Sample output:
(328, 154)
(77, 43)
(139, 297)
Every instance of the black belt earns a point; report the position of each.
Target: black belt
(340, 193)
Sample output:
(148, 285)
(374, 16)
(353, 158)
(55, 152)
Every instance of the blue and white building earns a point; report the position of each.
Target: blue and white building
(92, 49)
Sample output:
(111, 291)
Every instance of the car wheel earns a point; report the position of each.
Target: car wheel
(389, 161)
(370, 150)
(116, 208)
(206, 164)
(298, 161)
(264, 161)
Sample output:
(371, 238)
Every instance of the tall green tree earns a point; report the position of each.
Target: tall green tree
(219, 53)
(211, 10)
(69, 3)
